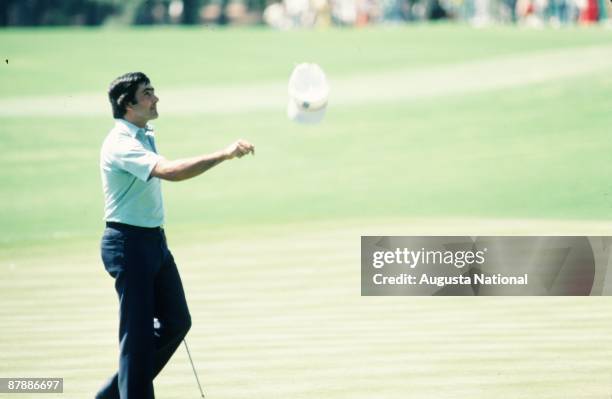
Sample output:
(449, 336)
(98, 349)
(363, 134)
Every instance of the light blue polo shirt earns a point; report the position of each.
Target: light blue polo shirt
(131, 195)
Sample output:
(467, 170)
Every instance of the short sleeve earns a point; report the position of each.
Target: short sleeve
(131, 156)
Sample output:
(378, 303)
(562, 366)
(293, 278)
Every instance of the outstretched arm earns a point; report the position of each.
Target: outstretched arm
(182, 169)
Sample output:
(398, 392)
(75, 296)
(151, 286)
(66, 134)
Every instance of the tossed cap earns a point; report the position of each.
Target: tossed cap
(308, 94)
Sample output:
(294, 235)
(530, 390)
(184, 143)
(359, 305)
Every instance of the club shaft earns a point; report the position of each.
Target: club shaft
(193, 367)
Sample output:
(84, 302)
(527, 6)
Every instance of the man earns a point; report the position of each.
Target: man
(134, 249)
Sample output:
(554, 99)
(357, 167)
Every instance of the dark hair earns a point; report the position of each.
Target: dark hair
(122, 91)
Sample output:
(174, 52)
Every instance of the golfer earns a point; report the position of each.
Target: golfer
(134, 248)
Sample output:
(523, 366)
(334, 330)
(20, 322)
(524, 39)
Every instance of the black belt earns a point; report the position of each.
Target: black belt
(123, 226)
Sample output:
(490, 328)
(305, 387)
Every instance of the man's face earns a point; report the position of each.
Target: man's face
(145, 108)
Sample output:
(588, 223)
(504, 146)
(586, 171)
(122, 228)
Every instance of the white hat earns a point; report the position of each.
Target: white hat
(308, 94)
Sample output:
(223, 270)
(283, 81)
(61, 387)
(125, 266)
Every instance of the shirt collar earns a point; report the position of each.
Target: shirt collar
(132, 129)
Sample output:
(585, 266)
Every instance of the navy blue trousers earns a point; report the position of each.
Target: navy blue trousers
(149, 286)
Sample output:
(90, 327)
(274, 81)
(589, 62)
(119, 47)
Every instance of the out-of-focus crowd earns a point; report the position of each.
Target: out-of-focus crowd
(291, 14)
(288, 14)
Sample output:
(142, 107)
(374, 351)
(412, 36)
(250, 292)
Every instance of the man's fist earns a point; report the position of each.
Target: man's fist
(239, 149)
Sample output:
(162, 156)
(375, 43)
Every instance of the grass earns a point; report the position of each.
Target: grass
(278, 314)
(44, 61)
(268, 247)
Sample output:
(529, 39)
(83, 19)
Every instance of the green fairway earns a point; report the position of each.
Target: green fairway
(277, 313)
(268, 246)
(72, 60)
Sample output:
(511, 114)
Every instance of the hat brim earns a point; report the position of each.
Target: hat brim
(308, 117)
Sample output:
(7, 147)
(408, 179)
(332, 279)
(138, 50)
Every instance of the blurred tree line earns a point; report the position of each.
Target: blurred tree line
(98, 12)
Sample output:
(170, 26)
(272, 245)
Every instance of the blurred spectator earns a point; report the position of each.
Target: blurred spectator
(290, 14)
(368, 11)
(322, 10)
(606, 11)
(508, 11)
(275, 16)
(344, 12)
(589, 11)
(391, 11)
(300, 12)
(482, 13)
(529, 12)
(223, 12)
(558, 12)
(186, 11)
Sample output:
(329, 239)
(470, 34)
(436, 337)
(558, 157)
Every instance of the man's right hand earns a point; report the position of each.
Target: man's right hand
(238, 149)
